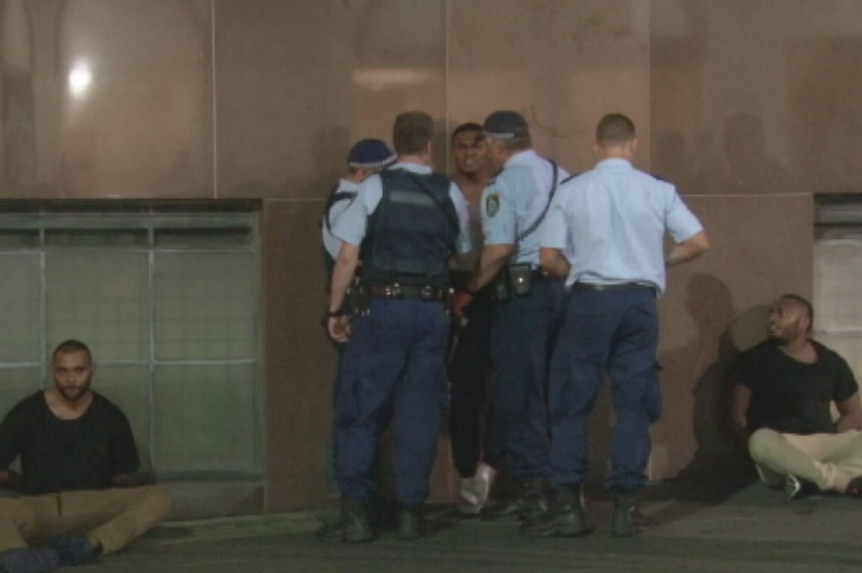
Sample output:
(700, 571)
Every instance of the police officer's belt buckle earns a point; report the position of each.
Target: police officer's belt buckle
(426, 292)
(393, 291)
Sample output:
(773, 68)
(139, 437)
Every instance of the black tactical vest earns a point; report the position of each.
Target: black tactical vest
(412, 232)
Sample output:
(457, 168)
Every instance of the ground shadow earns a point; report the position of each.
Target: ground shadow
(720, 466)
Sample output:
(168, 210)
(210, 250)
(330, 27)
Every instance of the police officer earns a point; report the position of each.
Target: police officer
(404, 224)
(366, 157)
(513, 208)
(613, 219)
(475, 450)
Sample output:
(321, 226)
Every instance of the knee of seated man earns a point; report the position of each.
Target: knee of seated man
(762, 442)
(158, 499)
(11, 507)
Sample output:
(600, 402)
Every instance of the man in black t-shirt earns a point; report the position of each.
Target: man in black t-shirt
(83, 493)
(783, 390)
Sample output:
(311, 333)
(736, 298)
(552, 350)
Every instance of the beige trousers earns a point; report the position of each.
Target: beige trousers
(828, 460)
(113, 517)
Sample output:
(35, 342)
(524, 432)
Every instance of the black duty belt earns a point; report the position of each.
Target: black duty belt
(407, 291)
(618, 286)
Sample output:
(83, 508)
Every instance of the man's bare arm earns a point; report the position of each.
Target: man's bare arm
(688, 250)
(554, 263)
(493, 259)
(345, 267)
(850, 411)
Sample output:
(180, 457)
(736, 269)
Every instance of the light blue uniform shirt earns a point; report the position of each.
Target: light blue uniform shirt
(330, 242)
(352, 225)
(614, 218)
(515, 200)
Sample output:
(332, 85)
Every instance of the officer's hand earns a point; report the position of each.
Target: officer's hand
(339, 328)
(459, 302)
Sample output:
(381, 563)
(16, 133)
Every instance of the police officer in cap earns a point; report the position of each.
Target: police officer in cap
(513, 208)
(366, 157)
(405, 223)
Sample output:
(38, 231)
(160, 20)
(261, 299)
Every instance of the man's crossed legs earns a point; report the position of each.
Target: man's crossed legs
(832, 462)
(75, 527)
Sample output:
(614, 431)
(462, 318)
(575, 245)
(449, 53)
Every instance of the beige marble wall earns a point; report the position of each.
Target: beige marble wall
(299, 82)
(106, 100)
(561, 64)
(756, 97)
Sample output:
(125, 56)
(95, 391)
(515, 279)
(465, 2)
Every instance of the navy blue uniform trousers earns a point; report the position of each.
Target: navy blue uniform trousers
(613, 333)
(521, 333)
(397, 353)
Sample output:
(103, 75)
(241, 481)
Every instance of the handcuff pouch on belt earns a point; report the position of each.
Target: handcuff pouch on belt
(513, 280)
(355, 298)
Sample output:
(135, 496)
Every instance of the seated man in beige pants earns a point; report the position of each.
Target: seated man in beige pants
(782, 392)
(82, 493)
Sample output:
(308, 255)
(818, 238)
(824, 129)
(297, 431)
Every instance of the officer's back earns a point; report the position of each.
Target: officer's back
(405, 223)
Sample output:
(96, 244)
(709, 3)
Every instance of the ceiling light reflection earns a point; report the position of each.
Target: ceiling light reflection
(80, 78)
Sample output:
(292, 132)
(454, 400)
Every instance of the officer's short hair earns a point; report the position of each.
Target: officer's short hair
(412, 132)
(517, 143)
(804, 303)
(72, 346)
(614, 128)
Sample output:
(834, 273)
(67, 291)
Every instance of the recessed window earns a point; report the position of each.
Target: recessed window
(167, 299)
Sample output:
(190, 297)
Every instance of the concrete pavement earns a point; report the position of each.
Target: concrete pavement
(694, 528)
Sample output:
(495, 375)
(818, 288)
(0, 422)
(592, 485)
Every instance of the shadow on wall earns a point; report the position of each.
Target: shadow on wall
(721, 333)
(744, 165)
(720, 465)
(720, 461)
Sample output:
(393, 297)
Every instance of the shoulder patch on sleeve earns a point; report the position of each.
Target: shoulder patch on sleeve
(492, 204)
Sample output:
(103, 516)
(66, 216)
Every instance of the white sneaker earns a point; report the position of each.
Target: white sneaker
(483, 481)
(475, 490)
(471, 505)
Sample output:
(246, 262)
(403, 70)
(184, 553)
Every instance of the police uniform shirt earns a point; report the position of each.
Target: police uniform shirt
(515, 200)
(352, 225)
(614, 218)
(330, 242)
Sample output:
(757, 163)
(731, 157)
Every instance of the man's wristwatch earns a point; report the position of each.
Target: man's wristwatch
(334, 313)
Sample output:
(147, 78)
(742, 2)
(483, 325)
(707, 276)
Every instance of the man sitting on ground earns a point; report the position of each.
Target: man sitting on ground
(782, 392)
(82, 493)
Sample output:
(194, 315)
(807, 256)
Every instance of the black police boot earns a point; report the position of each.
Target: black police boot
(565, 517)
(355, 525)
(529, 503)
(623, 521)
(411, 525)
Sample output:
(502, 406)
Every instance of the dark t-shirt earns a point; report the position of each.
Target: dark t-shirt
(67, 455)
(790, 396)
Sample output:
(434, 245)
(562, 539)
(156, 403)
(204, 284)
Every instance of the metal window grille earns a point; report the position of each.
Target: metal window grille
(167, 298)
